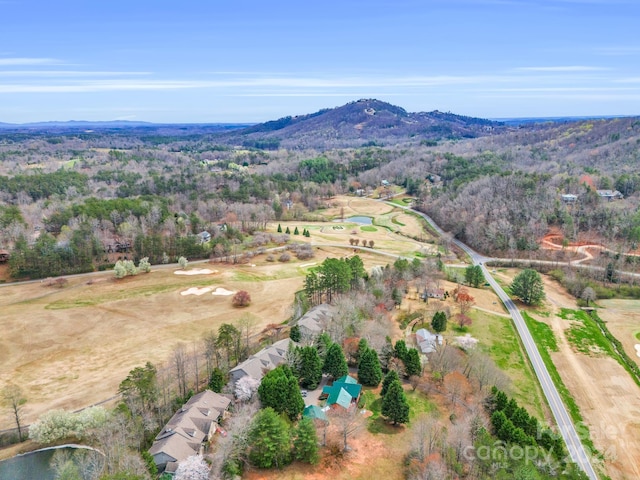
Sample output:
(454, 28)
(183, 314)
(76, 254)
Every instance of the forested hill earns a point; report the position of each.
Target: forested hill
(358, 123)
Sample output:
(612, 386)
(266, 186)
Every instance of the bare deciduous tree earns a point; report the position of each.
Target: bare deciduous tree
(13, 400)
(348, 421)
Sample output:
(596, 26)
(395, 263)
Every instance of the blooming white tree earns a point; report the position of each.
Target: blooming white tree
(192, 468)
(246, 388)
(58, 424)
(144, 265)
(183, 262)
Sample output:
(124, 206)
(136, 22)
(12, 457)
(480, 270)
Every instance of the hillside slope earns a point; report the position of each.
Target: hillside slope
(358, 123)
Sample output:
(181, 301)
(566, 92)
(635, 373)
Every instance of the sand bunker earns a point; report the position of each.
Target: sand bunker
(307, 264)
(222, 291)
(637, 345)
(196, 291)
(195, 271)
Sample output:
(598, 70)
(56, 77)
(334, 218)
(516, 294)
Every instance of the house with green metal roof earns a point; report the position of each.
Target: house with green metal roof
(314, 413)
(344, 392)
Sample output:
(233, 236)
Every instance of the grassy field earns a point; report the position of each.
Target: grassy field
(497, 336)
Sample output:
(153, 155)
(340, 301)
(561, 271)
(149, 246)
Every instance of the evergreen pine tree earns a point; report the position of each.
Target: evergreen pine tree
(412, 363)
(279, 228)
(305, 443)
(391, 376)
(334, 362)
(369, 371)
(269, 440)
(287, 231)
(310, 367)
(294, 333)
(400, 350)
(279, 390)
(394, 404)
(439, 322)
(217, 380)
(296, 231)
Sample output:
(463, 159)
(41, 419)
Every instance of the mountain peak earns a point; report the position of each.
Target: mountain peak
(362, 121)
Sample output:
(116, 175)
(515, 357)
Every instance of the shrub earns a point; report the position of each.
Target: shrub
(241, 299)
(285, 257)
(183, 262)
(144, 265)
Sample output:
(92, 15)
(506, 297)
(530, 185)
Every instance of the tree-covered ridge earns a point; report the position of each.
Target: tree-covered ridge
(44, 185)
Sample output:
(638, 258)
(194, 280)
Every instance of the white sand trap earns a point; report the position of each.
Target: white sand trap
(196, 291)
(222, 291)
(196, 271)
(307, 264)
(637, 345)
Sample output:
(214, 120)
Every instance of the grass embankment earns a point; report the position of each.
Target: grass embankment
(546, 342)
(498, 338)
(589, 335)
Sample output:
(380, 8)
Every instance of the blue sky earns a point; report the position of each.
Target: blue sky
(257, 60)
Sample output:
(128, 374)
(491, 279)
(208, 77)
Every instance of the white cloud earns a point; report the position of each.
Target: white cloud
(66, 73)
(561, 68)
(26, 61)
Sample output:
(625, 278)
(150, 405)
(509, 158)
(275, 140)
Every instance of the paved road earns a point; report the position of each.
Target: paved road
(563, 420)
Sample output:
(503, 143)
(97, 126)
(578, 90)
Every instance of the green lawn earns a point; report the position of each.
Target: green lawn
(498, 338)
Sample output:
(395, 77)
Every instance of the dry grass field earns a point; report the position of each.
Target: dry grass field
(71, 347)
(623, 320)
(608, 398)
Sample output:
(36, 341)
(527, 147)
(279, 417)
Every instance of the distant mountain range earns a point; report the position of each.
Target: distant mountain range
(359, 123)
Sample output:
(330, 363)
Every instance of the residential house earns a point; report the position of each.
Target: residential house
(610, 194)
(261, 362)
(4, 256)
(313, 322)
(187, 431)
(427, 341)
(204, 237)
(344, 392)
(432, 292)
(569, 198)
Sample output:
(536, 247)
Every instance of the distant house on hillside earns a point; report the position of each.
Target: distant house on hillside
(432, 292)
(4, 256)
(204, 237)
(261, 362)
(569, 198)
(187, 431)
(428, 341)
(610, 194)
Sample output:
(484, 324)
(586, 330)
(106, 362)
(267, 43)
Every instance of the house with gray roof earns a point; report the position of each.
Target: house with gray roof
(188, 429)
(427, 341)
(314, 322)
(261, 362)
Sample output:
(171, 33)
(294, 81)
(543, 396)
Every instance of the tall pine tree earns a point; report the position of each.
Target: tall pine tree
(394, 404)
(334, 363)
(369, 370)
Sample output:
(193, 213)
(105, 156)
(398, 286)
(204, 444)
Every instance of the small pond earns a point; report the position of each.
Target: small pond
(359, 219)
(31, 466)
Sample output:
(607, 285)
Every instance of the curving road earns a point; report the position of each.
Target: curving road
(563, 420)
